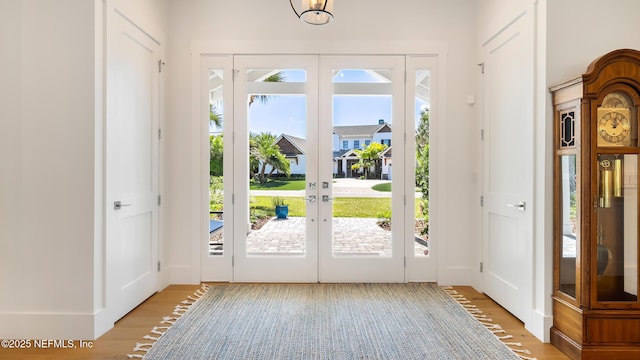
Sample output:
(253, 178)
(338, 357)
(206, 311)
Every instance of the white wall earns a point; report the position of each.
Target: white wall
(336, 142)
(582, 30)
(47, 103)
(378, 137)
(428, 27)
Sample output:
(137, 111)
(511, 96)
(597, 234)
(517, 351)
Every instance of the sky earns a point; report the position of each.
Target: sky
(286, 114)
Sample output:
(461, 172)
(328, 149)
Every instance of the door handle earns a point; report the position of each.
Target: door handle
(117, 205)
(522, 206)
(311, 198)
(326, 198)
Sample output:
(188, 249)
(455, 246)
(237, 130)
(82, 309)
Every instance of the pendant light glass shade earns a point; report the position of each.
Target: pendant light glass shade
(315, 12)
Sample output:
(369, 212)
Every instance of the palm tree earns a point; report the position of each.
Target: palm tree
(263, 152)
(214, 117)
(368, 157)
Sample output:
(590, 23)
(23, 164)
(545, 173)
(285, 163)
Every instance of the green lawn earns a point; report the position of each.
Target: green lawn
(342, 206)
(382, 187)
(279, 185)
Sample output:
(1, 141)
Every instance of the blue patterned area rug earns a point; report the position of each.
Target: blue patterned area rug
(323, 321)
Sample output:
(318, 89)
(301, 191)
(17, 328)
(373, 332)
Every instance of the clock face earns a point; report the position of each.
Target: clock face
(613, 126)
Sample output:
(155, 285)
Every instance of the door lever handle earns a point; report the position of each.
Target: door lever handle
(326, 198)
(522, 206)
(311, 198)
(117, 205)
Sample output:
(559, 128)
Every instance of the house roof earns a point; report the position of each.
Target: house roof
(349, 153)
(339, 153)
(387, 153)
(291, 145)
(361, 130)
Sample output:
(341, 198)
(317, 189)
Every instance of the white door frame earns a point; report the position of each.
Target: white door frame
(437, 55)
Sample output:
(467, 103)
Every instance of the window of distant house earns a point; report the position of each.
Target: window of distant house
(356, 144)
(367, 142)
(345, 144)
(387, 142)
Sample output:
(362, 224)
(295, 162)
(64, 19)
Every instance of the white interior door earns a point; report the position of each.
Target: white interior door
(508, 168)
(131, 165)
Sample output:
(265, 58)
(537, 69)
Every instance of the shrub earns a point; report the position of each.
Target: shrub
(278, 201)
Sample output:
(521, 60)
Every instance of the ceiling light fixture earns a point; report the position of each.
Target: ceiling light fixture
(314, 12)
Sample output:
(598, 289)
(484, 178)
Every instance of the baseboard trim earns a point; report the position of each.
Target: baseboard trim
(183, 275)
(57, 326)
(539, 325)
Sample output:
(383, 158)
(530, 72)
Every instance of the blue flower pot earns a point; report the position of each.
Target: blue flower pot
(282, 211)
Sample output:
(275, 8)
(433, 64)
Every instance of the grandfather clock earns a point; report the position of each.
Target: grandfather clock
(596, 311)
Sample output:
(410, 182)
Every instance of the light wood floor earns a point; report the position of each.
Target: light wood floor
(119, 341)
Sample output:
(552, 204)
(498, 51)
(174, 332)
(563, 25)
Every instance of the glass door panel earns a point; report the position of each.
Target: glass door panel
(421, 174)
(569, 205)
(277, 163)
(216, 163)
(362, 157)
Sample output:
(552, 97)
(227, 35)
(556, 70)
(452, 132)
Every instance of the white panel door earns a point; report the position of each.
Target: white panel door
(131, 165)
(508, 168)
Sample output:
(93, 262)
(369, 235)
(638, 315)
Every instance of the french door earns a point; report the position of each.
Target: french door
(276, 128)
(325, 136)
(354, 248)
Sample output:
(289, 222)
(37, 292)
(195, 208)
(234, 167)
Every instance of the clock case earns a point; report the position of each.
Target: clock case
(596, 312)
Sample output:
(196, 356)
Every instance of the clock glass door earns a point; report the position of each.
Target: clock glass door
(617, 227)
